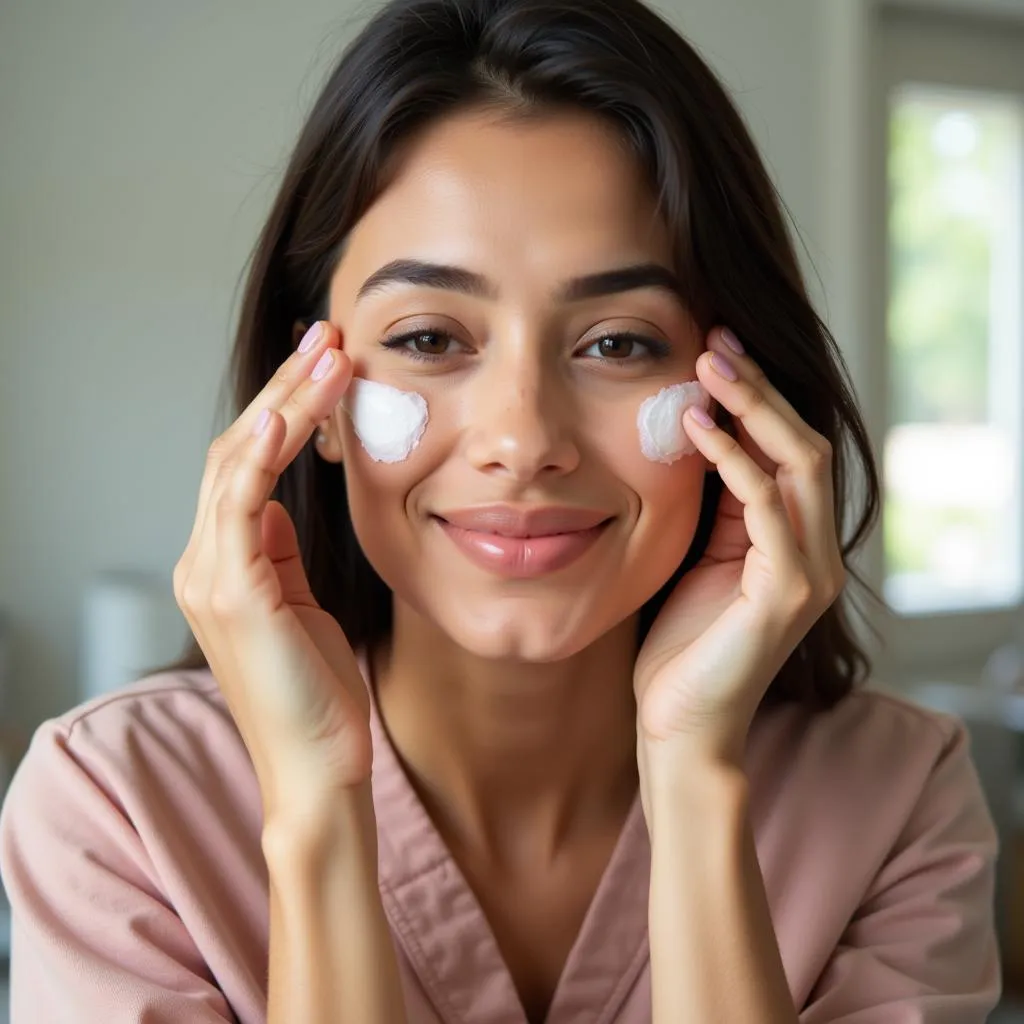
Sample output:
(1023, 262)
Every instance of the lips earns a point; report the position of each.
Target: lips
(513, 521)
(523, 542)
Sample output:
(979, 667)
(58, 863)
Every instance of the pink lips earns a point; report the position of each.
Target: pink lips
(523, 542)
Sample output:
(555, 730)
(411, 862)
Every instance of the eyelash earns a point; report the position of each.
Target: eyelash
(655, 349)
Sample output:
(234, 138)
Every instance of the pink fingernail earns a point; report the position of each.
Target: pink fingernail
(702, 417)
(723, 367)
(310, 338)
(261, 423)
(732, 341)
(323, 367)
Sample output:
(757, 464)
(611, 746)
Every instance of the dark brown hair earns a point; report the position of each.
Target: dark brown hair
(419, 60)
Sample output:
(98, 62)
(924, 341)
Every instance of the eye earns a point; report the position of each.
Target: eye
(619, 347)
(426, 343)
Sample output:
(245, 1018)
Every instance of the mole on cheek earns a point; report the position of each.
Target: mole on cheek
(660, 421)
(389, 423)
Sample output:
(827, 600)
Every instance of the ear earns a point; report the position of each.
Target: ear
(327, 446)
(327, 441)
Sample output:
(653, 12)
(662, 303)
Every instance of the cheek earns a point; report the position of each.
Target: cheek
(386, 450)
(617, 442)
(376, 496)
(671, 499)
(393, 439)
(668, 495)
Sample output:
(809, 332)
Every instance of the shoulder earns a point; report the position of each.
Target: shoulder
(874, 734)
(892, 742)
(875, 713)
(153, 700)
(877, 803)
(130, 853)
(163, 711)
(871, 776)
(165, 738)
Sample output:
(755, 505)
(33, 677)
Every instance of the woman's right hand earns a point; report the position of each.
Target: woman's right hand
(284, 665)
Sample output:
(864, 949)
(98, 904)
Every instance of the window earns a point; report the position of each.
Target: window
(936, 319)
(951, 457)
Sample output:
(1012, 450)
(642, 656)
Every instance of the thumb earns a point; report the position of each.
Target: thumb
(281, 546)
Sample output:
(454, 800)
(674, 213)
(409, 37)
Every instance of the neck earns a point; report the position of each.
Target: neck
(515, 761)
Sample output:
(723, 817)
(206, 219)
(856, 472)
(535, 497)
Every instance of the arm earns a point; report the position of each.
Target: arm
(714, 955)
(332, 958)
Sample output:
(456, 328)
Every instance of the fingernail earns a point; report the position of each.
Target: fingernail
(323, 367)
(311, 337)
(723, 367)
(261, 423)
(732, 341)
(701, 417)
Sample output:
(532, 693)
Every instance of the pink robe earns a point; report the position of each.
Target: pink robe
(130, 850)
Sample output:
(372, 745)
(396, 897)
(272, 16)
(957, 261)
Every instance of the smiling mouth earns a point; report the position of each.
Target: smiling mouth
(513, 534)
(522, 557)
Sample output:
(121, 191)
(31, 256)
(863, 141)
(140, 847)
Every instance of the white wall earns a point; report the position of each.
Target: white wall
(139, 146)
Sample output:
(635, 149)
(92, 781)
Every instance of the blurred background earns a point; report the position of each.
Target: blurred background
(142, 142)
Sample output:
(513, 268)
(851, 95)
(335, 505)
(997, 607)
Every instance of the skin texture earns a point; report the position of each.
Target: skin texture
(511, 702)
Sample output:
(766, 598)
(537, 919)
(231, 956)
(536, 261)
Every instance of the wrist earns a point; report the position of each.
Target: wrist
(714, 745)
(687, 782)
(321, 827)
(689, 754)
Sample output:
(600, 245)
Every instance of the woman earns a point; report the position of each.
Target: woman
(490, 540)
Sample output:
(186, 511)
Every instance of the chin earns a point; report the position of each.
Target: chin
(522, 635)
(511, 646)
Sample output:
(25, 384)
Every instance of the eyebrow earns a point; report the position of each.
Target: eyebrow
(458, 279)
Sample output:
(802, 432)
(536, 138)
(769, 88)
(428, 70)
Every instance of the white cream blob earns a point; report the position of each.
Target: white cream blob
(388, 422)
(660, 421)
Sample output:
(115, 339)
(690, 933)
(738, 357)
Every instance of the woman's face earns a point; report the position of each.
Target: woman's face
(532, 400)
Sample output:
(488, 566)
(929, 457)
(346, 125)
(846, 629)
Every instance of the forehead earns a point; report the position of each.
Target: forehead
(522, 203)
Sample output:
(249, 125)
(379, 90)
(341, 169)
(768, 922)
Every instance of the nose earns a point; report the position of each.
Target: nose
(520, 418)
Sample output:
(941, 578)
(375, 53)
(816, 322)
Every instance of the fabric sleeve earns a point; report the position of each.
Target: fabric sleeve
(922, 947)
(93, 939)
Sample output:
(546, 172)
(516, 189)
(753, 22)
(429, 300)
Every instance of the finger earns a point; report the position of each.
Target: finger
(764, 510)
(303, 403)
(748, 369)
(290, 375)
(752, 448)
(743, 390)
(767, 423)
(313, 401)
(238, 517)
(247, 480)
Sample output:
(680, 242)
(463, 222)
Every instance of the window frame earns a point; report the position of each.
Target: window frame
(857, 51)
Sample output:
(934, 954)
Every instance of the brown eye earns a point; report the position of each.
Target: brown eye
(615, 347)
(627, 348)
(422, 344)
(430, 343)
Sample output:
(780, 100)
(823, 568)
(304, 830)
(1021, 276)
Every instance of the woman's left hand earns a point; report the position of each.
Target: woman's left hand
(773, 566)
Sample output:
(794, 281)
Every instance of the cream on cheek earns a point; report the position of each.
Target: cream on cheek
(660, 421)
(389, 423)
